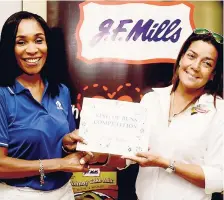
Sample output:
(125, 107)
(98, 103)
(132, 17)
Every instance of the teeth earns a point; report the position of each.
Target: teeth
(192, 76)
(32, 60)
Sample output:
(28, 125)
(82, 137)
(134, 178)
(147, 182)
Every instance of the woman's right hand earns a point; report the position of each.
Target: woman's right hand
(71, 163)
(94, 158)
(70, 140)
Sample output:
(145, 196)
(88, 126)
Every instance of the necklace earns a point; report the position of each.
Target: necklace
(172, 114)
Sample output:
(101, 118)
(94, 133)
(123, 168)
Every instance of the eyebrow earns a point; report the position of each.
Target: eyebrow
(36, 35)
(208, 58)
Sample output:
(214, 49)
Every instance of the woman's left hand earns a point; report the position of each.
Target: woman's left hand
(70, 140)
(147, 159)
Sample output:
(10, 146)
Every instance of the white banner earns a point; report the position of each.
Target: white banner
(134, 33)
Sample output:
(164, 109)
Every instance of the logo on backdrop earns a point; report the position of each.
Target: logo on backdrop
(126, 92)
(120, 93)
(118, 33)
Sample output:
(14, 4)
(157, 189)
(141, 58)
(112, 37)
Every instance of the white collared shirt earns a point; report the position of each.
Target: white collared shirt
(190, 139)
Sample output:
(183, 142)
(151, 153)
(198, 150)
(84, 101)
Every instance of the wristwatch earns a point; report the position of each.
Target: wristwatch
(171, 168)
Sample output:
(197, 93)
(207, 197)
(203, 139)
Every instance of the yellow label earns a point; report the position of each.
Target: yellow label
(104, 180)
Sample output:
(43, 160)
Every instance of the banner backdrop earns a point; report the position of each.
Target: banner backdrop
(116, 50)
(116, 31)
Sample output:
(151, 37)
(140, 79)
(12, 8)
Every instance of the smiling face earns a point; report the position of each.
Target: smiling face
(197, 65)
(30, 47)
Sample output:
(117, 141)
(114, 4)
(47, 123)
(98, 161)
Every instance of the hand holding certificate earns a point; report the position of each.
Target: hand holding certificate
(112, 126)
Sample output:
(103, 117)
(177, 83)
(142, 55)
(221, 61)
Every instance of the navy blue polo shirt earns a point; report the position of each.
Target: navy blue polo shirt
(32, 130)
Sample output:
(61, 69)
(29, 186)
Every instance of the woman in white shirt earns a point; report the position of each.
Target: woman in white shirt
(186, 123)
(185, 157)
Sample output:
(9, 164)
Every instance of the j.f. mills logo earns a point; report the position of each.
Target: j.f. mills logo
(118, 33)
(92, 172)
(144, 31)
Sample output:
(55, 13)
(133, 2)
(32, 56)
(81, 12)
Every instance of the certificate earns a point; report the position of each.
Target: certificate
(112, 126)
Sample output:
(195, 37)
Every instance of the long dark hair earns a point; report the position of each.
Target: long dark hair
(8, 64)
(215, 86)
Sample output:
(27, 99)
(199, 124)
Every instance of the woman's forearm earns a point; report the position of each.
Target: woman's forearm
(190, 172)
(18, 168)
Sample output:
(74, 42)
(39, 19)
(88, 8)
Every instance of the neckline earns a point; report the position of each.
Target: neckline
(171, 112)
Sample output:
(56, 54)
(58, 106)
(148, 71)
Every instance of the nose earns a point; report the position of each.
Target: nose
(195, 65)
(31, 48)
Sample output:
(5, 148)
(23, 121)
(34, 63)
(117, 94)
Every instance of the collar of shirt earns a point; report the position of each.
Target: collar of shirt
(18, 87)
(206, 101)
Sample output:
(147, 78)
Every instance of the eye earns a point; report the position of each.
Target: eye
(190, 56)
(20, 42)
(207, 64)
(39, 41)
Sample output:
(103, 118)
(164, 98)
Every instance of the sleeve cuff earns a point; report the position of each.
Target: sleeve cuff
(213, 179)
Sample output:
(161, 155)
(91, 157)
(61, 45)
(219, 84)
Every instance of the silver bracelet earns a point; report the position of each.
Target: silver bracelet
(68, 152)
(42, 175)
(65, 150)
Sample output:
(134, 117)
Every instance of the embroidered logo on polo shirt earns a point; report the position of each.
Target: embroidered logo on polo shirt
(59, 106)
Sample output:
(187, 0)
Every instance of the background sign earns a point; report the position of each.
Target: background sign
(117, 32)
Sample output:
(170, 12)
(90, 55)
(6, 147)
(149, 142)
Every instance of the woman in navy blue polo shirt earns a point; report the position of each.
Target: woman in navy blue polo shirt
(36, 122)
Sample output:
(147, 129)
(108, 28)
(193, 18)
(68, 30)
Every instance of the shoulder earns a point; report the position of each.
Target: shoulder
(5, 97)
(63, 89)
(220, 110)
(147, 97)
(157, 93)
(64, 94)
(2, 95)
(163, 90)
(3, 92)
(219, 103)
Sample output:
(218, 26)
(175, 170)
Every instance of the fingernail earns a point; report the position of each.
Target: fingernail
(82, 161)
(84, 141)
(91, 154)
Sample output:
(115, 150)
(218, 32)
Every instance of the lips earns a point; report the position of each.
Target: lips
(31, 61)
(191, 76)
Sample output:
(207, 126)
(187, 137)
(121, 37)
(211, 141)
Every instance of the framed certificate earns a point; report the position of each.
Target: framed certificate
(112, 126)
